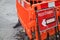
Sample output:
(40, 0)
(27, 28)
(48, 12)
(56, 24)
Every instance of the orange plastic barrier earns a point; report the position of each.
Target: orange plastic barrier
(27, 14)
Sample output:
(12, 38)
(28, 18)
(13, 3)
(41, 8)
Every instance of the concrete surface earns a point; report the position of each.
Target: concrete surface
(8, 18)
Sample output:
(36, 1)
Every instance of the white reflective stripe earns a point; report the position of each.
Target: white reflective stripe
(51, 4)
(19, 1)
(50, 20)
(22, 3)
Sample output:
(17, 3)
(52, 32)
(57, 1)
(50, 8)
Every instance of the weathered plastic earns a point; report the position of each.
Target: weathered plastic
(27, 15)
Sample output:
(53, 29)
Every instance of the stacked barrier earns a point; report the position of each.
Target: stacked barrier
(28, 10)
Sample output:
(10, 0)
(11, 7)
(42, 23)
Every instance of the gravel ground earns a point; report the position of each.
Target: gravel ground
(8, 18)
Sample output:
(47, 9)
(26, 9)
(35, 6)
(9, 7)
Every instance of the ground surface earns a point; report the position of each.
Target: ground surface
(8, 19)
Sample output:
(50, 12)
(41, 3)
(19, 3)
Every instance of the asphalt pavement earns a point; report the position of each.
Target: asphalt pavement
(8, 18)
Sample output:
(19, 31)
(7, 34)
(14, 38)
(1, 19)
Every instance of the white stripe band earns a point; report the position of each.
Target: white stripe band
(23, 3)
(51, 4)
